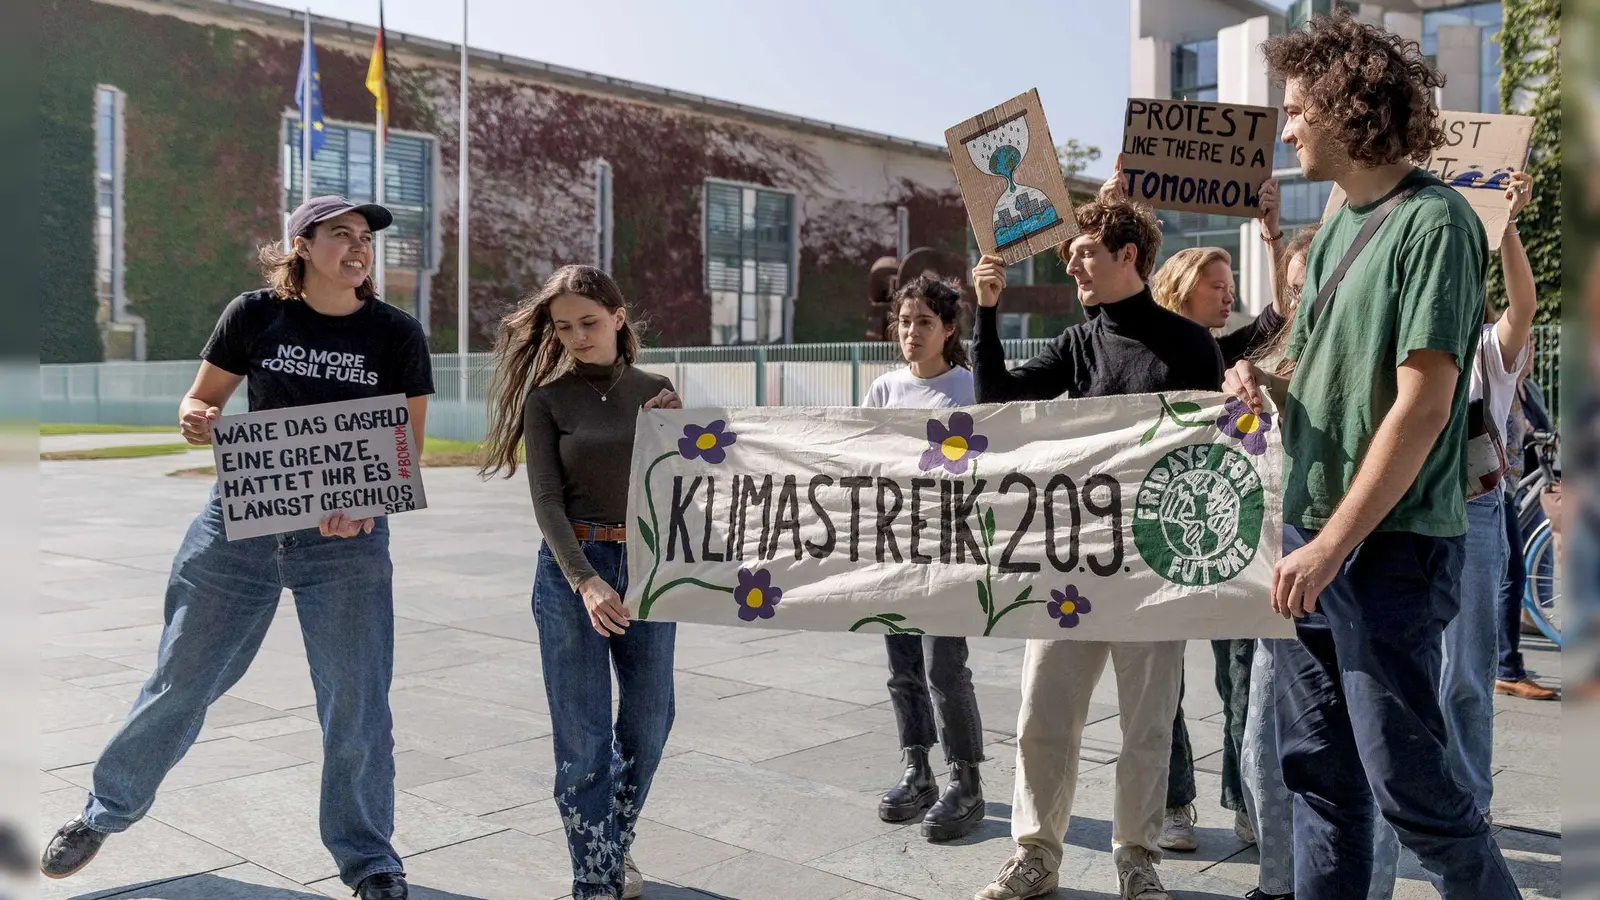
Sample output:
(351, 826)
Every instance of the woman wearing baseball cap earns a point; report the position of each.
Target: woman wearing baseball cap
(222, 595)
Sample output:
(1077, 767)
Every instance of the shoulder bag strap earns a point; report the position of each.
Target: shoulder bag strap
(1402, 192)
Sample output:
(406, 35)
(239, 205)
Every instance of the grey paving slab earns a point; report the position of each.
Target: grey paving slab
(760, 725)
(267, 728)
(74, 666)
(447, 724)
(151, 851)
(513, 679)
(140, 641)
(540, 818)
(481, 793)
(205, 763)
(64, 707)
(277, 680)
(74, 747)
(507, 865)
(272, 818)
(868, 763)
(1526, 800)
(669, 854)
(1526, 742)
(792, 818)
(413, 768)
(241, 882)
(305, 744)
(123, 675)
(516, 625)
(758, 876)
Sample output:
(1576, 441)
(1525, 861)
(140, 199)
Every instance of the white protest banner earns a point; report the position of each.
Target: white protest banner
(285, 469)
(1138, 518)
(1196, 156)
(1480, 152)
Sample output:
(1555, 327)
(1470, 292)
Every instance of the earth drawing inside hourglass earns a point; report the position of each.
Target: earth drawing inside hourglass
(1021, 210)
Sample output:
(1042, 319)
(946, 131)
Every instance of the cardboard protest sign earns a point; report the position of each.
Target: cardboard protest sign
(1011, 181)
(285, 469)
(1194, 156)
(1481, 151)
(1141, 518)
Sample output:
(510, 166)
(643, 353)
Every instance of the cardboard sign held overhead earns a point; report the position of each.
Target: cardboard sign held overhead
(1011, 181)
(1194, 156)
(1481, 151)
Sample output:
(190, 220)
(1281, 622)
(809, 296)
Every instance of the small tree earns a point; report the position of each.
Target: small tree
(1076, 157)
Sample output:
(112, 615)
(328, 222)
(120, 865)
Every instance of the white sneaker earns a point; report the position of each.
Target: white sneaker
(1137, 878)
(632, 881)
(1177, 830)
(1242, 827)
(1025, 875)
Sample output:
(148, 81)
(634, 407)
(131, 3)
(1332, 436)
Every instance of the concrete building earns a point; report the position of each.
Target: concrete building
(1209, 50)
(171, 137)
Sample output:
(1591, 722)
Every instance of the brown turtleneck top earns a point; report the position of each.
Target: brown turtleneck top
(580, 449)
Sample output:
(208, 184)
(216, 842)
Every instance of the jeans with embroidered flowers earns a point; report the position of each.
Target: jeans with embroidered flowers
(603, 768)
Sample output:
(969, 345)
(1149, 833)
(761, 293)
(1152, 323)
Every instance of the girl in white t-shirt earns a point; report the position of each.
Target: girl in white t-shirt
(924, 318)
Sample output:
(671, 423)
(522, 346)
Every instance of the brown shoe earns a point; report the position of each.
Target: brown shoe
(1526, 689)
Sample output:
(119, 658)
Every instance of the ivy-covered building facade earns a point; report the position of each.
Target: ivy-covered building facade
(171, 135)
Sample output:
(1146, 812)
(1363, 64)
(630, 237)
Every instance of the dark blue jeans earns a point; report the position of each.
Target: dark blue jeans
(221, 598)
(1511, 667)
(918, 663)
(603, 767)
(1359, 720)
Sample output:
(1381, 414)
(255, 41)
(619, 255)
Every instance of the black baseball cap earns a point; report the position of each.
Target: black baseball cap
(321, 209)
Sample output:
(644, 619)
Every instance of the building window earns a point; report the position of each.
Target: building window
(108, 196)
(1194, 71)
(750, 262)
(347, 165)
(1488, 17)
(602, 216)
(1016, 273)
(1302, 201)
(1300, 12)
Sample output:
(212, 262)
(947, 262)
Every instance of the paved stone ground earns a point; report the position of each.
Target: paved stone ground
(782, 742)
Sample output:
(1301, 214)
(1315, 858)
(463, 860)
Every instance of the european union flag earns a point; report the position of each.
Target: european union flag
(308, 59)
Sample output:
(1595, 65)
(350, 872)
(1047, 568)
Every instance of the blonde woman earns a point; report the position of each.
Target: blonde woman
(565, 387)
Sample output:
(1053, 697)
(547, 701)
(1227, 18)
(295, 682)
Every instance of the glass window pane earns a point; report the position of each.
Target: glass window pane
(359, 185)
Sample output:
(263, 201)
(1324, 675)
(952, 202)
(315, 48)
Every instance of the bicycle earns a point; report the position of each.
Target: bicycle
(1537, 493)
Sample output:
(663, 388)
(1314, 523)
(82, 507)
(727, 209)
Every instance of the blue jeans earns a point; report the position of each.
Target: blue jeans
(1359, 720)
(918, 663)
(1471, 645)
(221, 598)
(603, 768)
(1511, 667)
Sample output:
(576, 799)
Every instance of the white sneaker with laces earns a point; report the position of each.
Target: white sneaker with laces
(1177, 830)
(1137, 878)
(632, 881)
(1243, 828)
(1024, 876)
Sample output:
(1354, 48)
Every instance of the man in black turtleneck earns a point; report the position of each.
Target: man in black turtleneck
(1132, 346)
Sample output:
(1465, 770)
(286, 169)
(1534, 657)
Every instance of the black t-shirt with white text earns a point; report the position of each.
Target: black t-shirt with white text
(293, 355)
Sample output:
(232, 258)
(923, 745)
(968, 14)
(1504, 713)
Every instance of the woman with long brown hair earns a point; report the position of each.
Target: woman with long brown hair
(565, 387)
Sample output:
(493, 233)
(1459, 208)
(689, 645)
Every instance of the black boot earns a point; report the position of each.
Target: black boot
(916, 791)
(960, 811)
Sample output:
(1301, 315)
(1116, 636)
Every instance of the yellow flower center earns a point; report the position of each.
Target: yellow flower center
(1248, 423)
(706, 441)
(753, 599)
(954, 447)
(1068, 607)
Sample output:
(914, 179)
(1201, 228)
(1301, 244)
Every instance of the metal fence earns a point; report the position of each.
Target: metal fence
(782, 375)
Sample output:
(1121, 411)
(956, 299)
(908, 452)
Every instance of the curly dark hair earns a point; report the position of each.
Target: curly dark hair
(1116, 224)
(944, 299)
(1370, 88)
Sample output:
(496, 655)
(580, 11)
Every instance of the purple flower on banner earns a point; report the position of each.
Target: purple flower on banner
(755, 595)
(1251, 429)
(952, 447)
(1066, 606)
(709, 442)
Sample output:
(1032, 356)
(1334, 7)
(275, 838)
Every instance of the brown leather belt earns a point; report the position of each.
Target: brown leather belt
(616, 534)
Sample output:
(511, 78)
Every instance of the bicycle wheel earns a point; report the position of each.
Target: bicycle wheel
(1543, 597)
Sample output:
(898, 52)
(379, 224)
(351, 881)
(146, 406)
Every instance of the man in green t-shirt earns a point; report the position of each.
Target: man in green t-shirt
(1375, 473)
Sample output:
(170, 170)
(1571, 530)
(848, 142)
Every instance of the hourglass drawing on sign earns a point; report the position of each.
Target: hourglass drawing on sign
(1021, 210)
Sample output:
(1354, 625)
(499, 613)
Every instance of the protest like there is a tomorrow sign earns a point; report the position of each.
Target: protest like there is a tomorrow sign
(286, 469)
(1194, 156)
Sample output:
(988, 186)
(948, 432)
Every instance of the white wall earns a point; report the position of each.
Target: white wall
(1459, 56)
(1242, 77)
(1150, 68)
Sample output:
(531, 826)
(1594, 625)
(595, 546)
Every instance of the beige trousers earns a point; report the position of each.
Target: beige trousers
(1057, 679)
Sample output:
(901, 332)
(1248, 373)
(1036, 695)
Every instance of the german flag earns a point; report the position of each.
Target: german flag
(378, 74)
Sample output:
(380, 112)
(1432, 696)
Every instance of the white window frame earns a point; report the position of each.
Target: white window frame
(118, 318)
(792, 289)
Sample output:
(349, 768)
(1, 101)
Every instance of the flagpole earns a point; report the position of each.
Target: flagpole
(462, 318)
(305, 116)
(378, 245)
